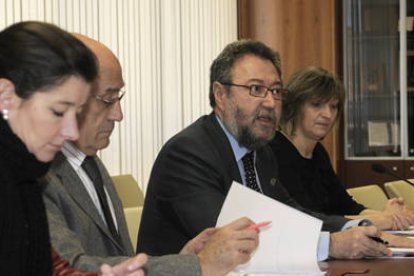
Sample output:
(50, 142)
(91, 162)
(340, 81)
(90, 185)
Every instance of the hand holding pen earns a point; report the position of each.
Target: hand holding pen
(378, 239)
(259, 225)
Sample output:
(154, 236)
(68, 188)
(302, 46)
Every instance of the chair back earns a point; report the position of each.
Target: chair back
(133, 219)
(371, 196)
(402, 189)
(128, 190)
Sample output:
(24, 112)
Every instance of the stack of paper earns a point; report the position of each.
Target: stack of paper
(407, 232)
(398, 252)
(402, 252)
(287, 246)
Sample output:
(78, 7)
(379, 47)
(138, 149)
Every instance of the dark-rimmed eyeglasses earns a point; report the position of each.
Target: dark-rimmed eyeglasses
(109, 101)
(257, 90)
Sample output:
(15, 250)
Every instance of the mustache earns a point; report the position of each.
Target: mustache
(266, 114)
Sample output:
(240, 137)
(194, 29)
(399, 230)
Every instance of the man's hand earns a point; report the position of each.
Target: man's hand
(130, 267)
(355, 243)
(402, 217)
(197, 244)
(227, 247)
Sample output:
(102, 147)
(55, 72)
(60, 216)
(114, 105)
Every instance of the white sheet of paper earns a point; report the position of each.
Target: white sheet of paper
(398, 253)
(378, 134)
(409, 231)
(401, 251)
(287, 246)
(410, 23)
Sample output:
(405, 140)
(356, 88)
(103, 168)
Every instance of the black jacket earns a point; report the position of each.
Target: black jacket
(189, 182)
(312, 182)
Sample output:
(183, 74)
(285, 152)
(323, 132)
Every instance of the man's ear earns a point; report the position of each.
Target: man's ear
(7, 94)
(220, 92)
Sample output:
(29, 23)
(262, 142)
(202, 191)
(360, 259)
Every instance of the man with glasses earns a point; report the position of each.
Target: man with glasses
(195, 169)
(86, 221)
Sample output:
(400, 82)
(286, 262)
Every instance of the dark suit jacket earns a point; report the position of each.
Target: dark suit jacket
(189, 182)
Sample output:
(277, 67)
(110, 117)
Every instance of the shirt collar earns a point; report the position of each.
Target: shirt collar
(73, 154)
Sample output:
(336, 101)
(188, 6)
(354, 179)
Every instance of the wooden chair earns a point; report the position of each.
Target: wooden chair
(402, 189)
(371, 196)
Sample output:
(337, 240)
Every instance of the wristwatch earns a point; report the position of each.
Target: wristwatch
(365, 222)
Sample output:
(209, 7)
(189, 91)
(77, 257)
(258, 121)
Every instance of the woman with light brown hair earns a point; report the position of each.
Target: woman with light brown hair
(310, 111)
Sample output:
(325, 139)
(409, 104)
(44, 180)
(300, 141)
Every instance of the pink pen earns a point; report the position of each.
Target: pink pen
(259, 225)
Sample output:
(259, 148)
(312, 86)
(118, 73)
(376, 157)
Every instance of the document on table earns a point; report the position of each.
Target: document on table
(287, 246)
(407, 232)
(398, 253)
(402, 252)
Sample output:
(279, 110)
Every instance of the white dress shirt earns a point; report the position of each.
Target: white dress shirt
(75, 158)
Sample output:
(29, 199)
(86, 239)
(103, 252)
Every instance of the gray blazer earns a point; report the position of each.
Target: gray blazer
(78, 233)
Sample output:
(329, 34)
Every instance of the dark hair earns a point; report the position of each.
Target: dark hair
(36, 55)
(309, 84)
(221, 68)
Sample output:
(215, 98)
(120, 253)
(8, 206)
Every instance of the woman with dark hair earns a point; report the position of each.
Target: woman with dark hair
(45, 78)
(309, 111)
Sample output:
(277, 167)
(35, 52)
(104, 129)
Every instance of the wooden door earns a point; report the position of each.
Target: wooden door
(302, 31)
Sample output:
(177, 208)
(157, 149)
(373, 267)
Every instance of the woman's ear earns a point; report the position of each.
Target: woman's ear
(7, 94)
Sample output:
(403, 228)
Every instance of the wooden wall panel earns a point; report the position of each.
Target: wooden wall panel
(302, 31)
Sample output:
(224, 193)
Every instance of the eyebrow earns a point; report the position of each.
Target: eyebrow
(113, 90)
(66, 103)
(278, 82)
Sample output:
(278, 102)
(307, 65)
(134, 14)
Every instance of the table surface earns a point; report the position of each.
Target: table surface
(378, 267)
